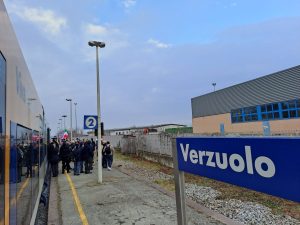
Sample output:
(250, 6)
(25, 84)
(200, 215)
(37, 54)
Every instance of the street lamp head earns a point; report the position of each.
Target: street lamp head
(214, 84)
(68, 99)
(32, 99)
(97, 44)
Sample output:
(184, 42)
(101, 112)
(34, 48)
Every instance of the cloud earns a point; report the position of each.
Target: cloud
(45, 19)
(128, 3)
(96, 29)
(158, 44)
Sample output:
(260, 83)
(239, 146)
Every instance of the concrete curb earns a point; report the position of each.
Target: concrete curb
(53, 213)
(194, 205)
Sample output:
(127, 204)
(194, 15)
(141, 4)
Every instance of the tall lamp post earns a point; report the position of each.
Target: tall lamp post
(64, 116)
(61, 128)
(98, 44)
(75, 103)
(60, 121)
(70, 100)
(58, 128)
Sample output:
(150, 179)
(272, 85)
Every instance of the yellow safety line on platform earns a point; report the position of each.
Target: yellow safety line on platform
(14, 200)
(77, 201)
(24, 185)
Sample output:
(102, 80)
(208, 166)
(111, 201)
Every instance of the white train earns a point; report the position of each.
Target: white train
(23, 135)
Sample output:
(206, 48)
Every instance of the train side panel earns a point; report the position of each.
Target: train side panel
(22, 132)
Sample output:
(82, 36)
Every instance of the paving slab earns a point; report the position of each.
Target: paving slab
(120, 199)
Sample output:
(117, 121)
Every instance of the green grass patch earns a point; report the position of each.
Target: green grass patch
(166, 184)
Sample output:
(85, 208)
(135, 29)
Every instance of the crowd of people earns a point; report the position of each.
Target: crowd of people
(81, 152)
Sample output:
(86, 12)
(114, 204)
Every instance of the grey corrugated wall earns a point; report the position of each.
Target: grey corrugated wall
(276, 87)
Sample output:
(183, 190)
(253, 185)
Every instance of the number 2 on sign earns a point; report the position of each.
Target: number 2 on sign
(91, 122)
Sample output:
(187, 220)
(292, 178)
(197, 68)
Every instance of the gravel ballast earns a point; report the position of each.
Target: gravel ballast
(240, 211)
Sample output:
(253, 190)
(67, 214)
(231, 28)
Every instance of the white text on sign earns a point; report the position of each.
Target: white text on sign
(236, 161)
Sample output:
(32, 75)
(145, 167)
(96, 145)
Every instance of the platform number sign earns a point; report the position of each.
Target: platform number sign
(90, 122)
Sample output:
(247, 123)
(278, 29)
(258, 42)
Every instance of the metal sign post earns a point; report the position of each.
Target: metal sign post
(93, 122)
(179, 188)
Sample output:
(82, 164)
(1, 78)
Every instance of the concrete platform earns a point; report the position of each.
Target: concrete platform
(120, 199)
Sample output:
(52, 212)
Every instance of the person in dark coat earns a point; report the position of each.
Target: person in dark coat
(108, 154)
(53, 156)
(81, 144)
(65, 154)
(93, 147)
(87, 156)
(77, 155)
(104, 161)
(20, 156)
(91, 158)
(28, 157)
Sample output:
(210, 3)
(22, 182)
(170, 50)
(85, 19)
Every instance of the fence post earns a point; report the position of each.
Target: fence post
(179, 188)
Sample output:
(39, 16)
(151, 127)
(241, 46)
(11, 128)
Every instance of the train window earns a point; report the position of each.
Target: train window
(26, 174)
(35, 165)
(2, 132)
(13, 174)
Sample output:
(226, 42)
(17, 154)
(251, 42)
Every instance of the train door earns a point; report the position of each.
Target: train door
(2, 132)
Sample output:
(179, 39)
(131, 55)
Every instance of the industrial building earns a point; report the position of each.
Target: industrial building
(271, 101)
(152, 129)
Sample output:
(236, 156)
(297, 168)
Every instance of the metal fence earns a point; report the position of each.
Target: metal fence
(158, 144)
(161, 144)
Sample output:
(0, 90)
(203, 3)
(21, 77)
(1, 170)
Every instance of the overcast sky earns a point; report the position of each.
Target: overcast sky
(158, 54)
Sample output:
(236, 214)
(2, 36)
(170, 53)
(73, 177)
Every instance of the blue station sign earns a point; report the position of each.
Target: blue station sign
(90, 122)
(269, 165)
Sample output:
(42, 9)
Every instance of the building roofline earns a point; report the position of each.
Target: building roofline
(142, 127)
(255, 79)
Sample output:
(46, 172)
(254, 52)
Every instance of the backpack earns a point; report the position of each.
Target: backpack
(107, 150)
